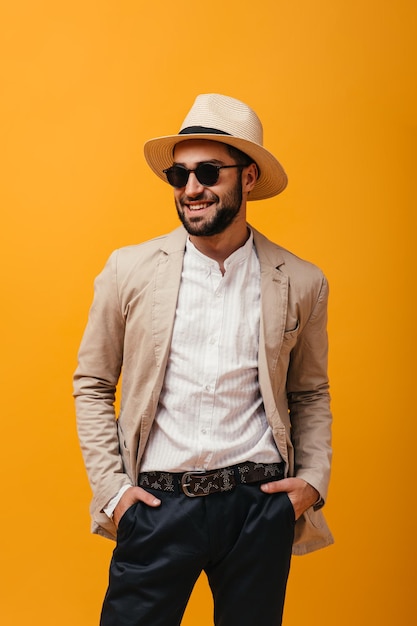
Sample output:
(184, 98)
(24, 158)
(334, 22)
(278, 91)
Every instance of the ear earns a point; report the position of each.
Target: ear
(249, 177)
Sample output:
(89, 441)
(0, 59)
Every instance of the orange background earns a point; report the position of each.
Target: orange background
(84, 84)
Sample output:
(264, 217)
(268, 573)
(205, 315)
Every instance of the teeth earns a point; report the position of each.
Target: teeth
(197, 207)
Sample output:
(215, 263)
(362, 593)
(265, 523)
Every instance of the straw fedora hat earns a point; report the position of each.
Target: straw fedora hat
(226, 120)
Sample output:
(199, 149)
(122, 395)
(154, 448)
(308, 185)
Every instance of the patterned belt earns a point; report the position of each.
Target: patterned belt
(197, 483)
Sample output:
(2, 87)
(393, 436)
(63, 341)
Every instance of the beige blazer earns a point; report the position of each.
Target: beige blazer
(131, 322)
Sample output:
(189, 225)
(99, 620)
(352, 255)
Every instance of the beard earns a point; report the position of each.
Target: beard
(226, 212)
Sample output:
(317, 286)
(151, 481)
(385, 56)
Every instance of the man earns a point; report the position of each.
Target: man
(219, 459)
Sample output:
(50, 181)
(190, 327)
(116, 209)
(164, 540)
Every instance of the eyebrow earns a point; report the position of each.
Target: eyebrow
(211, 161)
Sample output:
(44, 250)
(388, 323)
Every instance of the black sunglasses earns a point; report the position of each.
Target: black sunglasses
(207, 174)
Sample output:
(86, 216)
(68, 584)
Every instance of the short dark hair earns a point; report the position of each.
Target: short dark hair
(239, 156)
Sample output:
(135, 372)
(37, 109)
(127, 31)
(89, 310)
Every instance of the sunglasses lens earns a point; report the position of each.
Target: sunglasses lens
(207, 174)
(177, 176)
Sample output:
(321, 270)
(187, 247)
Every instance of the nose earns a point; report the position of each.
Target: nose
(193, 186)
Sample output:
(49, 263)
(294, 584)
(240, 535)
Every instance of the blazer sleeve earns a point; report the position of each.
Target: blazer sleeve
(100, 360)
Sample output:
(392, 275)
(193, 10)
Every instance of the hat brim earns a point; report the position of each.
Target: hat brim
(272, 179)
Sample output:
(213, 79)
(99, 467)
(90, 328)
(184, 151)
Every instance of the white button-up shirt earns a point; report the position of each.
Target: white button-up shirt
(210, 412)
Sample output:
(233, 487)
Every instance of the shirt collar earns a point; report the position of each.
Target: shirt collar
(239, 255)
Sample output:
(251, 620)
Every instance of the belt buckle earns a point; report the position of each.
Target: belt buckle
(185, 484)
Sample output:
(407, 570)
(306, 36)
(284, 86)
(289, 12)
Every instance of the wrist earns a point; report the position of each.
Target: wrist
(112, 504)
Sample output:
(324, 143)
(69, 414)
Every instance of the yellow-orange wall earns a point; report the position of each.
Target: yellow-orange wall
(84, 84)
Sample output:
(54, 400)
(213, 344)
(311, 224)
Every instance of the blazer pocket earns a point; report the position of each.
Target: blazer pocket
(288, 332)
(290, 337)
(315, 518)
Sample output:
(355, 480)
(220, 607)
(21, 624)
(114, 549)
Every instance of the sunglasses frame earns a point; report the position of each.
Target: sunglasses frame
(168, 171)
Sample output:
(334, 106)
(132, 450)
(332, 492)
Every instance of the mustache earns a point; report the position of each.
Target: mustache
(202, 197)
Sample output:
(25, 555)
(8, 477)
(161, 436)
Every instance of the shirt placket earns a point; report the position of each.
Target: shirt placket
(211, 364)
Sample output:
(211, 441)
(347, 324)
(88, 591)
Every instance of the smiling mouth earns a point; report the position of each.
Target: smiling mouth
(200, 206)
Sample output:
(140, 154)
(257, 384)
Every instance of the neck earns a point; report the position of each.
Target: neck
(220, 247)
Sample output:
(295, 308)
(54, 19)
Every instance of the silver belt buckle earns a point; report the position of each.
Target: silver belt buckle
(185, 484)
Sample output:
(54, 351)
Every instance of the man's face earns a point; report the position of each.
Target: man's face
(207, 211)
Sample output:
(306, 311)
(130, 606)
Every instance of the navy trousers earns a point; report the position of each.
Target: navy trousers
(241, 539)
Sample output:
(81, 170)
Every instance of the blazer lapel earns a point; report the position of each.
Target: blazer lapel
(165, 295)
(274, 302)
